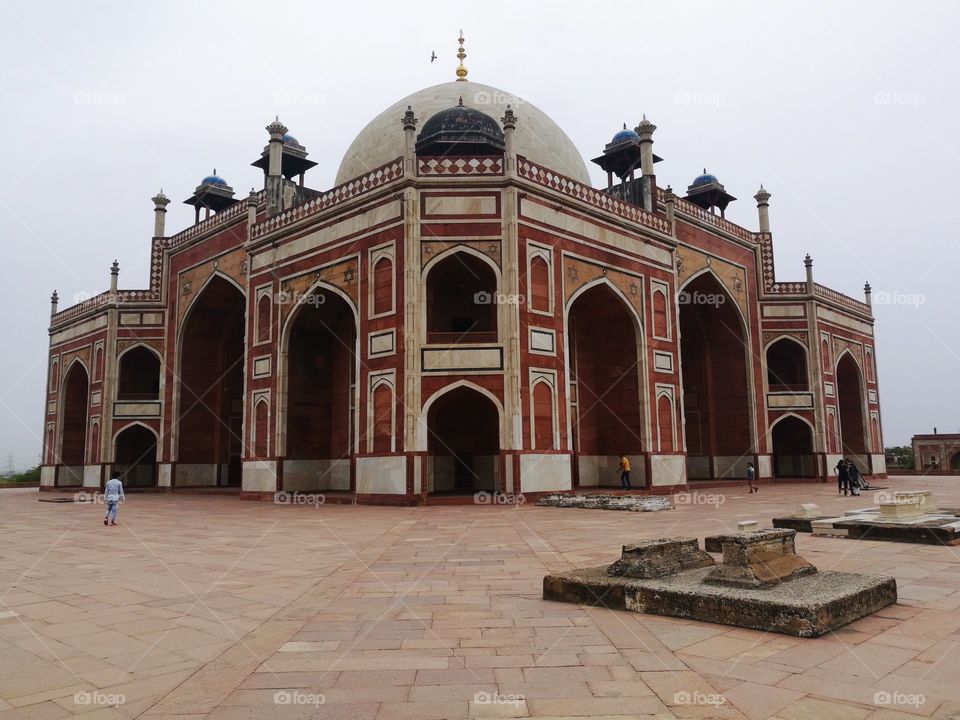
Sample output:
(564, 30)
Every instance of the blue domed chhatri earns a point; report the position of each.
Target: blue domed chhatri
(625, 134)
(214, 179)
(704, 179)
(289, 139)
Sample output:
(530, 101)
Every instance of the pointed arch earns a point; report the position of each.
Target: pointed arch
(787, 364)
(792, 446)
(544, 433)
(139, 373)
(729, 293)
(462, 288)
(134, 449)
(851, 405)
(422, 431)
(74, 405)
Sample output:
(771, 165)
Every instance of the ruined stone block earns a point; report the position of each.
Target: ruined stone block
(656, 558)
(758, 559)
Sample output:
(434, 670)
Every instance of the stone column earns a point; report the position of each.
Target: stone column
(274, 183)
(54, 301)
(114, 275)
(645, 130)
(868, 295)
(808, 264)
(160, 202)
(670, 199)
(763, 209)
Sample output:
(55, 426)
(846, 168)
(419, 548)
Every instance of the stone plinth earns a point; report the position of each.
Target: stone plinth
(759, 559)
(801, 519)
(808, 510)
(907, 508)
(598, 501)
(656, 558)
(747, 526)
(923, 498)
(672, 576)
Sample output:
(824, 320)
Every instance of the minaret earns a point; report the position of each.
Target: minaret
(274, 182)
(645, 130)
(160, 202)
(252, 207)
(509, 121)
(868, 294)
(114, 276)
(763, 209)
(669, 200)
(54, 299)
(808, 264)
(461, 68)
(409, 121)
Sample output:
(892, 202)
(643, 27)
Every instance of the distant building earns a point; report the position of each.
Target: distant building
(936, 452)
(462, 311)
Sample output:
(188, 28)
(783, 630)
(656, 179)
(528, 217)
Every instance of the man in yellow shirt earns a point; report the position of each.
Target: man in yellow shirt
(625, 472)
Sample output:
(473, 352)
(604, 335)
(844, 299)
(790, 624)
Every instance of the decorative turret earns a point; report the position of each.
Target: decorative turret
(808, 264)
(212, 194)
(54, 300)
(509, 121)
(627, 151)
(283, 155)
(669, 200)
(763, 209)
(114, 276)
(409, 122)
(868, 295)
(252, 202)
(460, 131)
(708, 192)
(160, 202)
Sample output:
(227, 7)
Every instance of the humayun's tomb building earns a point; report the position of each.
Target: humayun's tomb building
(462, 311)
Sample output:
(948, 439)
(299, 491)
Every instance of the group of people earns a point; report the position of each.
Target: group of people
(849, 478)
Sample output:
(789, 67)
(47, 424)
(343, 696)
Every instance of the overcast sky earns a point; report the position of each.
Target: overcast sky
(846, 112)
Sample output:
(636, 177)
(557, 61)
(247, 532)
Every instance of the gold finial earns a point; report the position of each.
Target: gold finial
(461, 68)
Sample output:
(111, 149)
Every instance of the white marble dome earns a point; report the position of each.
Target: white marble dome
(537, 137)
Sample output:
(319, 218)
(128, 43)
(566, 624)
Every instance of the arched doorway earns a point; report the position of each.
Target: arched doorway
(321, 364)
(463, 441)
(139, 375)
(853, 436)
(135, 458)
(955, 462)
(210, 427)
(716, 394)
(73, 445)
(461, 300)
(793, 448)
(787, 366)
(606, 381)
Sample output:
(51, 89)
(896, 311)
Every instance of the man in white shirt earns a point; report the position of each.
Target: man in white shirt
(112, 495)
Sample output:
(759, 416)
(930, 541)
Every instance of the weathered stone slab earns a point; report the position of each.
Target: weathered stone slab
(598, 501)
(808, 606)
(903, 509)
(923, 498)
(800, 520)
(808, 510)
(656, 558)
(747, 525)
(928, 530)
(758, 559)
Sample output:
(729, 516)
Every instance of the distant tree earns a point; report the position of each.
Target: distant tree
(900, 455)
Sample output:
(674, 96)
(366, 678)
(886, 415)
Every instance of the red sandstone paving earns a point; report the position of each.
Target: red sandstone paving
(207, 607)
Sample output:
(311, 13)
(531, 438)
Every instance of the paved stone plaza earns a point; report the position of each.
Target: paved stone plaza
(210, 607)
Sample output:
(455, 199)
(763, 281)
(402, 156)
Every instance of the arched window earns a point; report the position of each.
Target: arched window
(382, 286)
(264, 314)
(98, 364)
(382, 417)
(539, 284)
(542, 417)
(261, 446)
(94, 443)
(54, 376)
(461, 300)
(659, 314)
(825, 356)
(786, 366)
(665, 423)
(139, 375)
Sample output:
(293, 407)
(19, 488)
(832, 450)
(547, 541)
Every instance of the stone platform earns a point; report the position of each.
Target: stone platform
(762, 584)
(633, 503)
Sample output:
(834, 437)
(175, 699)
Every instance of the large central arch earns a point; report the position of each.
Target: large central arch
(319, 420)
(716, 390)
(210, 416)
(607, 385)
(853, 433)
(73, 413)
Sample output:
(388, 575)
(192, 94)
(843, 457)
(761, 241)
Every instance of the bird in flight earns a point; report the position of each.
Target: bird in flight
(433, 55)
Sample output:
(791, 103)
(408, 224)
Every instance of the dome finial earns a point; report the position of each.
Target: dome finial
(461, 68)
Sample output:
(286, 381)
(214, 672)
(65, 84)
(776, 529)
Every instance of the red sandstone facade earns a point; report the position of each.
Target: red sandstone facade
(444, 325)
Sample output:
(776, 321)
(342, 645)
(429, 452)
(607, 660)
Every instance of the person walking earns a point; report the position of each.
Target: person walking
(625, 472)
(843, 476)
(113, 496)
(751, 476)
